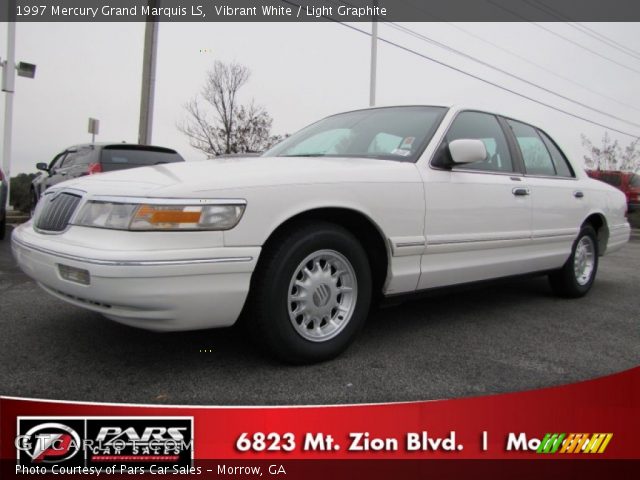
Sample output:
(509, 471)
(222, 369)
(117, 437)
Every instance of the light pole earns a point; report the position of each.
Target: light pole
(8, 85)
(374, 57)
(9, 69)
(148, 77)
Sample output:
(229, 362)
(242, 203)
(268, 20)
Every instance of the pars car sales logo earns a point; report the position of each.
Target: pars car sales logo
(74, 442)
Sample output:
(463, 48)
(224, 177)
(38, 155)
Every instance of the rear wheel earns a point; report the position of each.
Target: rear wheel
(310, 293)
(577, 275)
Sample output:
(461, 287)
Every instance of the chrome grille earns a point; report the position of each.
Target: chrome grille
(56, 212)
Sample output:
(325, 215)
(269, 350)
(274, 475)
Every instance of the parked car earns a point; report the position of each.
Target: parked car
(4, 188)
(627, 182)
(88, 159)
(382, 201)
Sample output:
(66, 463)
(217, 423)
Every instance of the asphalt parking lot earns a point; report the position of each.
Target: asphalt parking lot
(498, 338)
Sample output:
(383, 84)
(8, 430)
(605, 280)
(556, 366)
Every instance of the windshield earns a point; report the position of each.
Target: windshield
(394, 133)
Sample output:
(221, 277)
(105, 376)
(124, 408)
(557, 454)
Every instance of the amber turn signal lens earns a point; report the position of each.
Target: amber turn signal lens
(156, 215)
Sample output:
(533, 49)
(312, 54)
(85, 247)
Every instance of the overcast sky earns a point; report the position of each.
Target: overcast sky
(302, 72)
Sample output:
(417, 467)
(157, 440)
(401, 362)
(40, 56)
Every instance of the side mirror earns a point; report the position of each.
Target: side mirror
(42, 166)
(466, 150)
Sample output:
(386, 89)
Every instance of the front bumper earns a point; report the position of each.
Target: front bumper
(166, 286)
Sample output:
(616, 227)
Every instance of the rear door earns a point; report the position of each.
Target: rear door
(478, 216)
(559, 204)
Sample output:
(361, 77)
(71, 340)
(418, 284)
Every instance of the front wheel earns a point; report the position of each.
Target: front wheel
(577, 275)
(310, 293)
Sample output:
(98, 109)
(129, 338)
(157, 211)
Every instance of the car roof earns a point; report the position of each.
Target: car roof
(382, 107)
(455, 108)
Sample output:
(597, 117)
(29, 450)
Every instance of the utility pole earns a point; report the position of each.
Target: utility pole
(8, 86)
(374, 57)
(148, 77)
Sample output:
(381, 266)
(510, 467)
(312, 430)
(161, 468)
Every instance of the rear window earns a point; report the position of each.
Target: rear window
(139, 157)
(537, 159)
(635, 181)
(559, 160)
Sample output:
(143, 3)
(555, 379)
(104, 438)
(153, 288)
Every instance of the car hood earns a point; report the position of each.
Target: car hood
(198, 178)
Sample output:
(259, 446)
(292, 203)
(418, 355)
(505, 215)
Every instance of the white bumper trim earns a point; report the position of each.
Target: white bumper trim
(131, 263)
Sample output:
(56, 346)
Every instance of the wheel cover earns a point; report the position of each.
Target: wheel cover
(322, 295)
(584, 260)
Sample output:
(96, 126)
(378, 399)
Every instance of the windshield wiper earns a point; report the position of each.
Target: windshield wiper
(305, 155)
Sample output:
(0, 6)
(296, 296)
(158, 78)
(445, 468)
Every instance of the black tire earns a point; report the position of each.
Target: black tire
(269, 318)
(565, 282)
(3, 227)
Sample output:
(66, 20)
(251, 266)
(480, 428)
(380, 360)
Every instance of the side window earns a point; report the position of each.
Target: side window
(559, 160)
(537, 160)
(57, 161)
(68, 160)
(485, 127)
(77, 158)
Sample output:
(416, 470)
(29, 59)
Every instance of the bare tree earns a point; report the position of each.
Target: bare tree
(610, 156)
(217, 123)
(630, 156)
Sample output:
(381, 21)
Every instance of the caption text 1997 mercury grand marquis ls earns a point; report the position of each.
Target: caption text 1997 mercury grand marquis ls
(385, 200)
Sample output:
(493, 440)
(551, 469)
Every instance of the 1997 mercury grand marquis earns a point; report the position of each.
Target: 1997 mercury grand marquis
(377, 201)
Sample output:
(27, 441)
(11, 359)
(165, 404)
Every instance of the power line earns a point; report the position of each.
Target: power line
(469, 74)
(560, 16)
(583, 28)
(603, 40)
(524, 59)
(489, 82)
(504, 72)
(541, 67)
(586, 48)
(502, 7)
(608, 39)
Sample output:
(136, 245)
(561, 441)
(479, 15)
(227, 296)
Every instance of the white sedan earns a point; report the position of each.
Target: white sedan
(363, 204)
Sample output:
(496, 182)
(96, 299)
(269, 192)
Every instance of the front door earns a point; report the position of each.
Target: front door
(478, 216)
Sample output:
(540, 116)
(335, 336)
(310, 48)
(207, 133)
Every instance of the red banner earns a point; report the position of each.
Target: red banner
(593, 420)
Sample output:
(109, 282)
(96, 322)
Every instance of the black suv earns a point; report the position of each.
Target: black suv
(93, 158)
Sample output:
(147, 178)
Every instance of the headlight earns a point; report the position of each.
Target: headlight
(157, 214)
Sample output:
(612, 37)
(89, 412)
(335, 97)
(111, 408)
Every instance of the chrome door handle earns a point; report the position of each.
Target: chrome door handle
(578, 194)
(520, 192)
